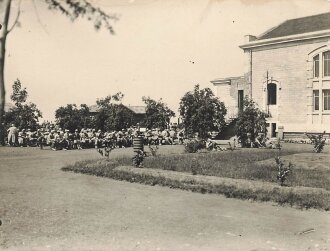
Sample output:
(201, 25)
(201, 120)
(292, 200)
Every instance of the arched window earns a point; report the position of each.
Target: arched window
(272, 93)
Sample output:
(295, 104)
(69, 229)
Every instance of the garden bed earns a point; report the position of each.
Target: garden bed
(238, 174)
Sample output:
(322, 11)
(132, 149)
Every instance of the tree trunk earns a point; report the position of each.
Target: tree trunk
(4, 18)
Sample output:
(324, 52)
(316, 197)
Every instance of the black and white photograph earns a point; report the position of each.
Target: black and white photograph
(165, 125)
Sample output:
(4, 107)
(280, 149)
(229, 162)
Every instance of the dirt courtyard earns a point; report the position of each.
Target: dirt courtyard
(44, 208)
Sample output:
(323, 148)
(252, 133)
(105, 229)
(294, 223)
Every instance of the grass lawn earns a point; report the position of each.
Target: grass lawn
(243, 164)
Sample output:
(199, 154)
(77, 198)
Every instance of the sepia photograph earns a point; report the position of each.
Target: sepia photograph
(164, 125)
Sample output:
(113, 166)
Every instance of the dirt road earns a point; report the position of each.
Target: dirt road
(43, 208)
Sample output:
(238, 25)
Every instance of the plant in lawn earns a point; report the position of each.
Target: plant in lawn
(194, 166)
(193, 145)
(283, 171)
(138, 158)
(318, 140)
(153, 150)
(105, 152)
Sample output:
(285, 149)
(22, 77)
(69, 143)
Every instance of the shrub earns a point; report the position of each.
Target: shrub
(318, 141)
(138, 158)
(250, 122)
(283, 171)
(192, 146)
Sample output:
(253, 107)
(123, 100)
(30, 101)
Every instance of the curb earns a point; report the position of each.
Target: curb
(302, 197)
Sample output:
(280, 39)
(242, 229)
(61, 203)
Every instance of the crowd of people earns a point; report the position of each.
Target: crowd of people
(63, 139)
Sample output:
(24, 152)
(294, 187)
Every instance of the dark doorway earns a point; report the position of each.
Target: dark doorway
(273, 135)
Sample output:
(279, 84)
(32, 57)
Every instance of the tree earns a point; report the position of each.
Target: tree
(112, 115)
(250, 122)
(71, 117)
(73, 9)
(202, 112)
(23, 115)
(158, 114)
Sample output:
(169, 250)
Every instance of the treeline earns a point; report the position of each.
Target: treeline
(200, 112)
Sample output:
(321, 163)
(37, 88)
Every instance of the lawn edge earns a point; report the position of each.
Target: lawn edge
(298, 197)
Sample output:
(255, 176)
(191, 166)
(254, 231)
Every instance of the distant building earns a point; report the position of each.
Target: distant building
(139, 112)
(288, 75)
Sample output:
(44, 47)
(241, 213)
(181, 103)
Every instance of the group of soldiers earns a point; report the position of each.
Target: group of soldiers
(63, 139)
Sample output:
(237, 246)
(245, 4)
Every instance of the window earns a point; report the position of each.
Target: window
(240, 100)
(326, 64)
(326, 100)
(316, 100)
(272, 93)
(316, 66)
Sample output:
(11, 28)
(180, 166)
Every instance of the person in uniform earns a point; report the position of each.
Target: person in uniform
(51, 140)
(12, 135)
(22, 138)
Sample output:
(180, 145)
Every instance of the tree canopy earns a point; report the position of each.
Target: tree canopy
(23, 114)
(112, 114)
(158, 114)
(202, 112)
(71, 117)
(250, 121)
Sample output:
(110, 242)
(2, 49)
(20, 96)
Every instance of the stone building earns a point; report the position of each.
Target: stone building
(288, 75)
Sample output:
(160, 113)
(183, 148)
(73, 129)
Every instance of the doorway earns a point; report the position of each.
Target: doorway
(273, 130)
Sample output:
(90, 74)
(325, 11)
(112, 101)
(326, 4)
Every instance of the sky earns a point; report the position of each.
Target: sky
(161, 49)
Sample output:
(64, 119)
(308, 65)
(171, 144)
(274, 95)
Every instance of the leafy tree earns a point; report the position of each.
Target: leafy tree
(112, 115)
(202, 112)
(158, 114)
(250, 122)
(71, 117)
(23, 115)
(73, 9)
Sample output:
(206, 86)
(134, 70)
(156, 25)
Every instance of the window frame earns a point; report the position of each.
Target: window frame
(326, 99)
(316, 66)
(316, 100)
(326, 63)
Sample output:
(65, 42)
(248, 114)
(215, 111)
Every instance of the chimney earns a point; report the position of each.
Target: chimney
(249, 38)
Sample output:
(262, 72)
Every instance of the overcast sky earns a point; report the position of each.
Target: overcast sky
(151, 54)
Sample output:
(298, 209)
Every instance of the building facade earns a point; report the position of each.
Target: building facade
(288, 75)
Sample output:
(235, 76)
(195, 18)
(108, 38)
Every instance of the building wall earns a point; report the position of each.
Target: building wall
(227, 91)
(289, 66)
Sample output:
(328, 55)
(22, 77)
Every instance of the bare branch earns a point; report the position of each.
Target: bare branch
(38, 17)
(17, 17)
(75, 9)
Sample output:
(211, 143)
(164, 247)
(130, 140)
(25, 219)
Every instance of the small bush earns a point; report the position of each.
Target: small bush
(138, 158)
(283, 171)
(318, 141)
(194, 145)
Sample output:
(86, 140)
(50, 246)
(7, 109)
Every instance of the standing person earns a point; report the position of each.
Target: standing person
(181, 136)
(172, 135)
(12, 135)
(40, 138)
(76, 140)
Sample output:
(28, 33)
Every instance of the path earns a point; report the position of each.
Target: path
(43, 208)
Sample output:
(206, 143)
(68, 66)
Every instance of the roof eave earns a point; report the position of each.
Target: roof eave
(286, 39)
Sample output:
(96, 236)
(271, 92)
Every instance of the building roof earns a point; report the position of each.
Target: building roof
(299, 26)
(93, 108)
(135, 109)
(227, 81)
